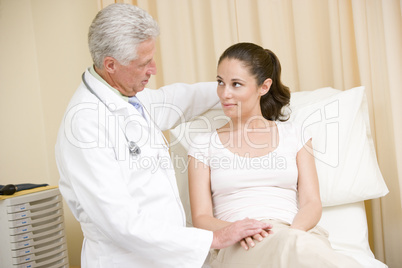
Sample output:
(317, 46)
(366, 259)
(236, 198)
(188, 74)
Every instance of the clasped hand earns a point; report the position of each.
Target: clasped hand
(239, 231)
(248, 242)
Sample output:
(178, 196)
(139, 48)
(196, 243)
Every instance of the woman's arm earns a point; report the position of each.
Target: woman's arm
(310, 207)
(201, 197)
(201, 203)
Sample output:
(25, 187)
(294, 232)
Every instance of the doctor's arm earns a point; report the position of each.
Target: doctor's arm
(310, 207)
(179, 102)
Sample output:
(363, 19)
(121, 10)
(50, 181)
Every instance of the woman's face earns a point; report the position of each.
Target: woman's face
(238, 90)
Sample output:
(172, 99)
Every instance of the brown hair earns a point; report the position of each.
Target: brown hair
(262, 64)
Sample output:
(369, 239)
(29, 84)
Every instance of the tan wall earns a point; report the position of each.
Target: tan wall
(43, 51)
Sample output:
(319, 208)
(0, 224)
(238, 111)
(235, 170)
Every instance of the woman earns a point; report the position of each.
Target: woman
(257, 166)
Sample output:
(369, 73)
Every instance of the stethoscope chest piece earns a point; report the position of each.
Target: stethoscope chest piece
(134, 148)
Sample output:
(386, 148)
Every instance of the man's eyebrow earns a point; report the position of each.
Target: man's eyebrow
(148, 61)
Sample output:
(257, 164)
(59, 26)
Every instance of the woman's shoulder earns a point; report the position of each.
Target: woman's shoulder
(201, 139)
(296, 131)
(291, 130)
(289, 126)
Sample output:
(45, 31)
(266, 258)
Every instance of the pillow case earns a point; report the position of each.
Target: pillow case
(344, 152)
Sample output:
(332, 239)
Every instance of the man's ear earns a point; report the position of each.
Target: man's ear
(265, 86)
(110, 64)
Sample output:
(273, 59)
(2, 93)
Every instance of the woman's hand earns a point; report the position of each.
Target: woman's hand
(248, 242)
(236, 231)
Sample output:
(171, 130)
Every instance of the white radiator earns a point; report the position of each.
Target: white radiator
(32, 231)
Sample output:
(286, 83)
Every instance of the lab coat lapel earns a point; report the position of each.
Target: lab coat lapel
(115, 104)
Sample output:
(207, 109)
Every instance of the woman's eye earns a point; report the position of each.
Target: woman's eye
(235, 84)
(220, 83)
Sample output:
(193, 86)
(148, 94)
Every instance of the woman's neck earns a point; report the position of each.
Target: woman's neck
(248, 124)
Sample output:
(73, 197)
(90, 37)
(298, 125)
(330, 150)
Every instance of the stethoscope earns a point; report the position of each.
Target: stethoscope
(133, 147)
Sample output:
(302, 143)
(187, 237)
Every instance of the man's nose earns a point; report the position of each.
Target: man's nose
(152, 68)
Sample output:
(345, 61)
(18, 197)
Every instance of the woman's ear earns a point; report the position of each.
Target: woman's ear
(265, 86)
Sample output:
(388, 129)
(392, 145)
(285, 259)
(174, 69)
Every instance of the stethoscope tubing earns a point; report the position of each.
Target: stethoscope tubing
(132, 146)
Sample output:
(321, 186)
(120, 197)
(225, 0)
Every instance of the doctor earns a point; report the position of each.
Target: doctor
(115, 172)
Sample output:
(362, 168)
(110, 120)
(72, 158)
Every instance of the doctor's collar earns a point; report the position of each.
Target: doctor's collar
(97, 76)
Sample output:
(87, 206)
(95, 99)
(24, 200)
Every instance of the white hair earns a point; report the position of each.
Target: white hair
(117, 30)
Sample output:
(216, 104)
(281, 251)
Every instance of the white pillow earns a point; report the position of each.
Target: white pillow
(343, 148)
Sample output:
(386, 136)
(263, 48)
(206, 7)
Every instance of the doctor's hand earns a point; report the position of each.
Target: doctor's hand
(237, 231)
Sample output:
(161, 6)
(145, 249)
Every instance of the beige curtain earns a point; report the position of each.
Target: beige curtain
(337, 43)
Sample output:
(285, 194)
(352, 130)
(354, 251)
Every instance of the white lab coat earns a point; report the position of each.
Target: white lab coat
(129, 206)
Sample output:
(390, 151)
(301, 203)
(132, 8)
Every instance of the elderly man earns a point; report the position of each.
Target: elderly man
(112, 155)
